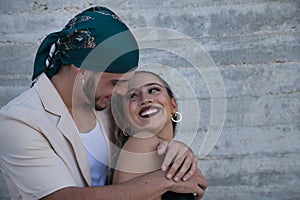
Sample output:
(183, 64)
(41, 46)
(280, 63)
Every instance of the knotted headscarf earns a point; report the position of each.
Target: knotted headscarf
(95, 39)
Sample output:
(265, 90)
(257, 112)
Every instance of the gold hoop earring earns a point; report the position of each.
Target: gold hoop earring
(175, 115)
(126, 131)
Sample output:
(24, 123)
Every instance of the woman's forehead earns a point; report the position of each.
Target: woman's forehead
(141, 79)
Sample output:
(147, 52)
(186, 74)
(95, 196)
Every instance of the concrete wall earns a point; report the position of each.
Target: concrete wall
(255, 45)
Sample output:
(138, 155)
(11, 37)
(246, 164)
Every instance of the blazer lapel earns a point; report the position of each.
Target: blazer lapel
(66, 125)
(105, 121)
(68, 128)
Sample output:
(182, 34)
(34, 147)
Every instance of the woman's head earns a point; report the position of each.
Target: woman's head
(148, 105)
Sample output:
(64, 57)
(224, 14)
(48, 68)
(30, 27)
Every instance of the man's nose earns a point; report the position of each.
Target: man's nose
(121, 88)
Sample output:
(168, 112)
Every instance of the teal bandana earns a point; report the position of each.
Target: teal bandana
(95, 40)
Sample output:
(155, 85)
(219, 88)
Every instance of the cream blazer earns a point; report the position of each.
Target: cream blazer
(40, 148)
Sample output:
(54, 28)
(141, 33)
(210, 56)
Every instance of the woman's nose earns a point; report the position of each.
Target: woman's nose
(145, 99)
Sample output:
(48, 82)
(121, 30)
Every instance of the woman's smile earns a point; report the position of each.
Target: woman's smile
(148, 111)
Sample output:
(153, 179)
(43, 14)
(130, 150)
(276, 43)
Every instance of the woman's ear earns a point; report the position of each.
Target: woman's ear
(174, 105)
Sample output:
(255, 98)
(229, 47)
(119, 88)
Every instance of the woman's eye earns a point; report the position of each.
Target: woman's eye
(154, 89)
(131, 96)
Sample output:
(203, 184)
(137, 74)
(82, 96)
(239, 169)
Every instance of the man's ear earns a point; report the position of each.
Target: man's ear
(77, 69)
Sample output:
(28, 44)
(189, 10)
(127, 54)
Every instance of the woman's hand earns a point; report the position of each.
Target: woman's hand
(180, 163)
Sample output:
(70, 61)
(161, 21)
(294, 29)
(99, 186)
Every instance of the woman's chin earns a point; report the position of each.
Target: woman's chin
(152, 127)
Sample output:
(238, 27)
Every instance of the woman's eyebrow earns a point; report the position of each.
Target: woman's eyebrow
(146, 85)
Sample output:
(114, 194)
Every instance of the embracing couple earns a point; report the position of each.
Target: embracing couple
(92, 127)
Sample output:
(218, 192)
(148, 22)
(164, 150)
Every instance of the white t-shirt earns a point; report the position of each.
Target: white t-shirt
(97, 153)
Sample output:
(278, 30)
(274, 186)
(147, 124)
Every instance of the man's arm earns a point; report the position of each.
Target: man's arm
(149, 186)
(144, 187)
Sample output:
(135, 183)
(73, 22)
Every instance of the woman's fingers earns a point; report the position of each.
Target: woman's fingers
(179, 159)
(191, 171)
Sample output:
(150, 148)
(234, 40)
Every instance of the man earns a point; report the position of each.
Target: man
(44, 152)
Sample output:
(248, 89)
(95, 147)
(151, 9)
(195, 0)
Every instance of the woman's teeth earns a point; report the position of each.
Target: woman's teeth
(149, 112)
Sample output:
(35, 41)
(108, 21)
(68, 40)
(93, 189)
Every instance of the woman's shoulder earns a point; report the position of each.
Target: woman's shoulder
(138, 156)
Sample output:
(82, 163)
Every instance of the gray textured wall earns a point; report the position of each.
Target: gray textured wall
(255, 45)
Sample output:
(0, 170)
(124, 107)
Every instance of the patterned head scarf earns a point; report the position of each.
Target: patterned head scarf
(95, 40)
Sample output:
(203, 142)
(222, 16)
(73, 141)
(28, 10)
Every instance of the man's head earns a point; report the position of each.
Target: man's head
(97, 88)
(95, 40)
(98, 46)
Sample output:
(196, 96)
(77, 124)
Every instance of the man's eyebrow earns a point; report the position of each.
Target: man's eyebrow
(120, 80)
(146, 85)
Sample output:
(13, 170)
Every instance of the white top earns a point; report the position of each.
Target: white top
(97, 153)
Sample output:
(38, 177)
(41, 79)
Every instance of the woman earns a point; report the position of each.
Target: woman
(147, 114)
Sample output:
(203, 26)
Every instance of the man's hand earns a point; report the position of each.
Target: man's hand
(179, 161)
(197, 184)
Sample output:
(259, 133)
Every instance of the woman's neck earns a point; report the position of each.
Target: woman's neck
(166, 133)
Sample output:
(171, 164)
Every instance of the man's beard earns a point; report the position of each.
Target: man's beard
(99, 108)
(89, 91)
